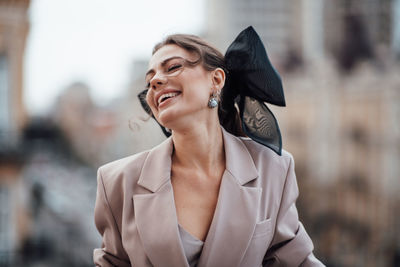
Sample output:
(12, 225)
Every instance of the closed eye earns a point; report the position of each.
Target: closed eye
(174, 67)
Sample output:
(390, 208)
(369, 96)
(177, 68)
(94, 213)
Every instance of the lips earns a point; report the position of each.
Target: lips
(165, 95)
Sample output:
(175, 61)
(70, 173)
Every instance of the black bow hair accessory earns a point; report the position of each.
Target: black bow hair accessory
(251, 81)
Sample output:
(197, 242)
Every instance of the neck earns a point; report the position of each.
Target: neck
(199, 148)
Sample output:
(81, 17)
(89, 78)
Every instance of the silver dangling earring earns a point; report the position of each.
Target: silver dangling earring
(213, 102)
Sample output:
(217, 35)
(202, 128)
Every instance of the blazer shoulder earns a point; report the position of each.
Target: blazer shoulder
(265, 155)
(118, 171)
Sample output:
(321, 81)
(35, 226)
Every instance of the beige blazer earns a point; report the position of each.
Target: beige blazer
(255, 222)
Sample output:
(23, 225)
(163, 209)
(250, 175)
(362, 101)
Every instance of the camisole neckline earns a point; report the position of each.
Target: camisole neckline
(192, 246)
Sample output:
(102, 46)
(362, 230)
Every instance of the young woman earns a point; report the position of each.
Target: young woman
(208, 195)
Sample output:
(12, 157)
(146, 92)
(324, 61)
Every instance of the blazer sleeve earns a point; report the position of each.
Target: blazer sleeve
(291, 245)
(111, 252)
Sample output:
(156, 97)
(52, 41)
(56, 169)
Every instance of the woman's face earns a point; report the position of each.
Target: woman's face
(178, 92)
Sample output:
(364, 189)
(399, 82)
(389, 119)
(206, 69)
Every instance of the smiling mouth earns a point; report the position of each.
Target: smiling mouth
(166, 96)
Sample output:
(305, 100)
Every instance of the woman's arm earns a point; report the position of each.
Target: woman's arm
(111, 252)
(291, 245)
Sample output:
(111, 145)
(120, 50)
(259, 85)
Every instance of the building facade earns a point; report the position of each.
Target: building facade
(14, 28)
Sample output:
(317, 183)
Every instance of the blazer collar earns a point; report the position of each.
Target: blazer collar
(156, 169)
(157, 166)
(238, 159)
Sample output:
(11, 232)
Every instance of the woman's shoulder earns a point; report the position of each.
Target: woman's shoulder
(265, 155)
(119, 169)
(273, 168)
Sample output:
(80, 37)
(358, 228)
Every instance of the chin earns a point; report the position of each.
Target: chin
(172, 118)
(167, 118)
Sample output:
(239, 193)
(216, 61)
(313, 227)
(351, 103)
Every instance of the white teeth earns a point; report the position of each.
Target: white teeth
(162, 97)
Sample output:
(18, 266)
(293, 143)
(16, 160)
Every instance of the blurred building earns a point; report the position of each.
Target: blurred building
(14, 28)
(77, 116)
(41, 181)
(360, 29)
(59, 192)
(345, 137)
(307, 29)
(277, 22)
(396, 28)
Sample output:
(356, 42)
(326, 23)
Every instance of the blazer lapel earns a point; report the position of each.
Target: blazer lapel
(155, 212)
(235, 216)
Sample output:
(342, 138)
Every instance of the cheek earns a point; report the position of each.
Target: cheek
(198, 96)
(149, 99)
(199, 88)
(200, 93)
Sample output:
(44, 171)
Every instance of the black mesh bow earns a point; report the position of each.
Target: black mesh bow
(251, 81)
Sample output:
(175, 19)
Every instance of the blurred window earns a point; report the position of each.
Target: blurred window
(4, 96)
(5, 227)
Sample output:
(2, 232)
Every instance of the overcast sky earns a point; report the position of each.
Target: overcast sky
(96, 41)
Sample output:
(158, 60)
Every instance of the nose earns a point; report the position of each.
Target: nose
(157, 81)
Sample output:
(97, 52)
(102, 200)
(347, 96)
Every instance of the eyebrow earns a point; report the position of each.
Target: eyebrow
(162, 64)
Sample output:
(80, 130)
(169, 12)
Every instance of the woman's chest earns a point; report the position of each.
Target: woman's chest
(195, 201)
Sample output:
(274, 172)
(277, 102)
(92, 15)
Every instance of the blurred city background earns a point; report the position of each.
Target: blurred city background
(340, 65)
